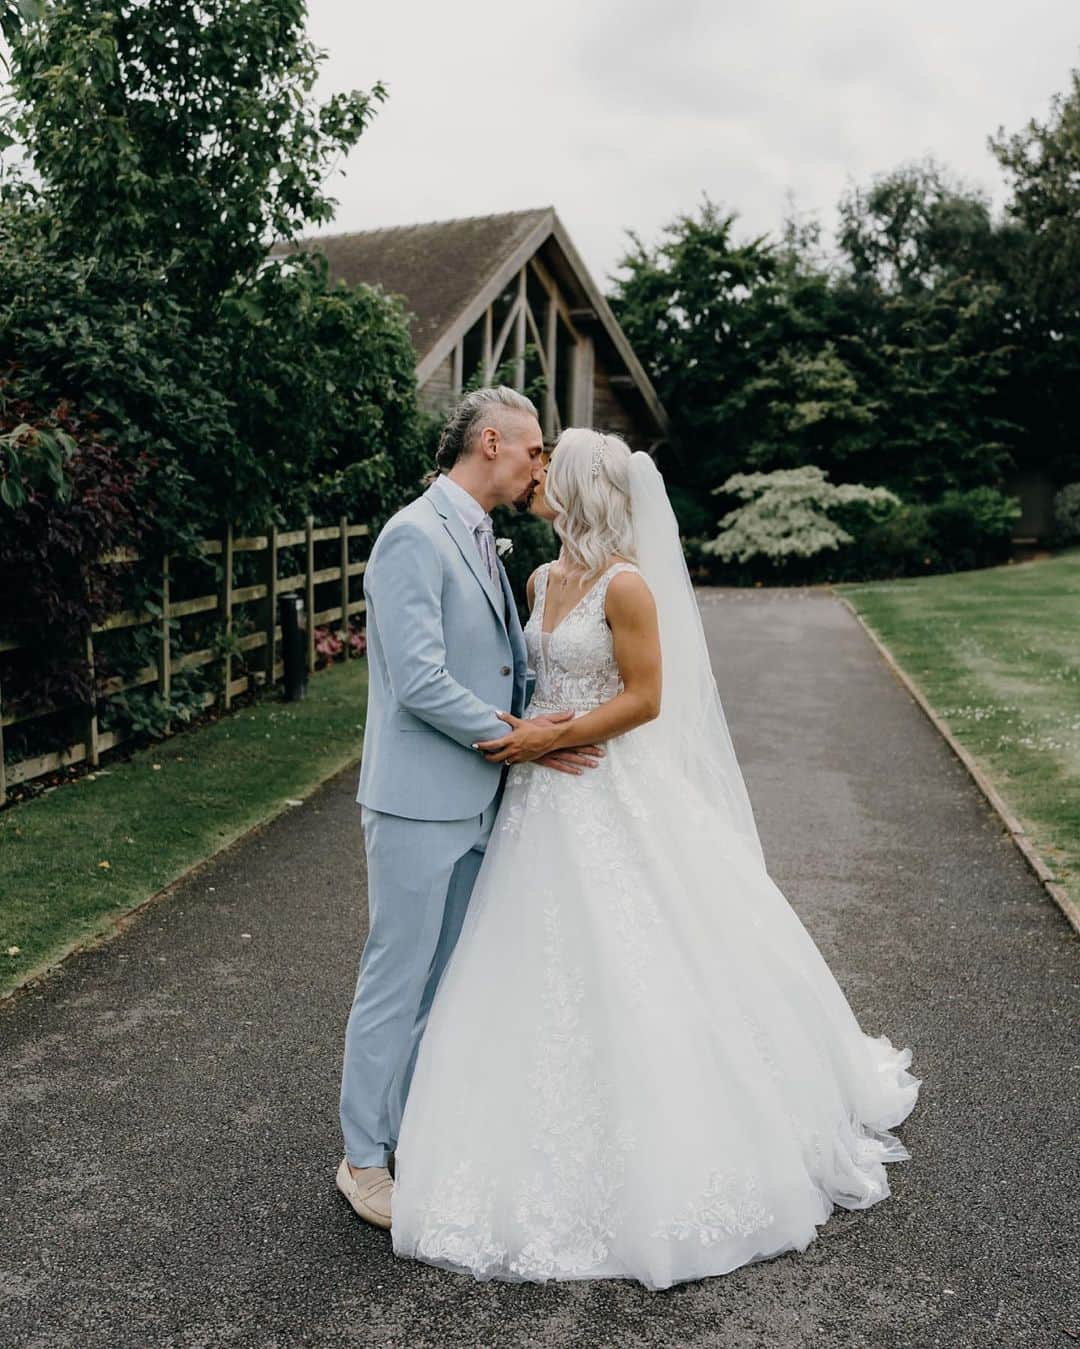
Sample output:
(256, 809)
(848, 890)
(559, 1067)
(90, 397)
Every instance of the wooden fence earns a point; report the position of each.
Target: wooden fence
(266, 636)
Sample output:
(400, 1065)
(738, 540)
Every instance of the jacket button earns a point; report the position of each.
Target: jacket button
(506, 670)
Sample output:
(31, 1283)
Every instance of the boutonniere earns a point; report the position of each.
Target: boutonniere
(504, 547)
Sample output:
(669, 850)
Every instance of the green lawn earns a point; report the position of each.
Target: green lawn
(73, 861)
(997, 654)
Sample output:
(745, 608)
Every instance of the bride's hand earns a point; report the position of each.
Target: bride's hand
(573, 761)
(527, 740)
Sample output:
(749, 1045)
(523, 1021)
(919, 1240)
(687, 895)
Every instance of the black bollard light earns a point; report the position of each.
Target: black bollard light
(293, 645)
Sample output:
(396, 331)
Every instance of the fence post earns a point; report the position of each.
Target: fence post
(165, 658)
(310, 593)
(271, 604)
(226, 614)
(345, 584)
(3, 775)
(93, 755)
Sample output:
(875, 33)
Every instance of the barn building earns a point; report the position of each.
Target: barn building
(507, 297)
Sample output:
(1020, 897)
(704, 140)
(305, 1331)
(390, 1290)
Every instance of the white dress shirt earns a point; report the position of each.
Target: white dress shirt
(473, 516)
(466, 505)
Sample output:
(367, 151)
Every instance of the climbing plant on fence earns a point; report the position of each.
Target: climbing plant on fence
(184, 651)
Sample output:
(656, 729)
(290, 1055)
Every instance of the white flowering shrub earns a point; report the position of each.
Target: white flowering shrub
(788, 514)
(1067, 513)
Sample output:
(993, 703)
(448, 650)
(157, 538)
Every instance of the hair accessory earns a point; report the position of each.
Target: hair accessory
(598, 455)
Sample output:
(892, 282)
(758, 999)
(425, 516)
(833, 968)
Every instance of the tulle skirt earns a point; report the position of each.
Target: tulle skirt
(638, 1064)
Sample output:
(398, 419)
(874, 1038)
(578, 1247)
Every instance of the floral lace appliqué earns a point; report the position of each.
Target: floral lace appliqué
(574, 663)
(728, 1207)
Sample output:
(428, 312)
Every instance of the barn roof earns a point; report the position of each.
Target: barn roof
(448, 271)
(438, 267)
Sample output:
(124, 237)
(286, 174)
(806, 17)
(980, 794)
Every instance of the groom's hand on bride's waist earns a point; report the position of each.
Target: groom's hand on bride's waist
(530, 742)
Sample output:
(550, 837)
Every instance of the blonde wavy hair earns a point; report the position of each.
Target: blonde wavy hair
(588, 488)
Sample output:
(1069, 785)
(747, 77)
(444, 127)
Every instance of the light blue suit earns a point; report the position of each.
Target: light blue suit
(445, 652)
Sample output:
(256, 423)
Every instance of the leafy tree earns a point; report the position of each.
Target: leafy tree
(927, 314)
(63, 522)
(1042, 161)
(697, 309)
(169, 144)
(892, 364)
(789, 514)
(814, 409)
(915, 228)
(35, 456)
(328, 380)
(102, 336)
(886, 368)
(183, 131)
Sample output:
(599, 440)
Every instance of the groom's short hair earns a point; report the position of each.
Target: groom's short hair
(468, 418)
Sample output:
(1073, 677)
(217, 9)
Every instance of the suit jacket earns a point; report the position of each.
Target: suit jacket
(445, 652)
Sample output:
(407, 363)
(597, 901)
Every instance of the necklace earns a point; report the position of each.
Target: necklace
(564, 581)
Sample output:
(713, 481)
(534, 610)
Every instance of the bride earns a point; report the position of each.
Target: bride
(637, 1064)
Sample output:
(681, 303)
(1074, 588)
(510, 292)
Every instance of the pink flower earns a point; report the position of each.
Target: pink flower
(328, 644)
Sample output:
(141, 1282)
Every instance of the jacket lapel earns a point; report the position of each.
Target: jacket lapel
(513, 624)
(517, 644)
(455, 527)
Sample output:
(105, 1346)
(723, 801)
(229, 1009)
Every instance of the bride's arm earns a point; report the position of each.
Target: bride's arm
(631, 616)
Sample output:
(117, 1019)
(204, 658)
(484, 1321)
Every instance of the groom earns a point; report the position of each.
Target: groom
(445, 654)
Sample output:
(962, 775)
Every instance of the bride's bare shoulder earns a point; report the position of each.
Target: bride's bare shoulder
(628, 594)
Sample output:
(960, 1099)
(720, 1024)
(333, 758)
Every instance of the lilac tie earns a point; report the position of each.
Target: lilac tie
(485, 538)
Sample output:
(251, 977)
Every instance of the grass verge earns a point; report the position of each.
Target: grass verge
(73, 862)
(997, 655)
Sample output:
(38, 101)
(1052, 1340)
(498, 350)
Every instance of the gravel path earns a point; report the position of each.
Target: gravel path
(168, 1116)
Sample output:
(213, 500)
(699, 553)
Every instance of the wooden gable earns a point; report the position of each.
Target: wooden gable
(507, 296)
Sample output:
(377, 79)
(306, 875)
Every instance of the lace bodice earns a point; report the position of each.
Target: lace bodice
(575, 662)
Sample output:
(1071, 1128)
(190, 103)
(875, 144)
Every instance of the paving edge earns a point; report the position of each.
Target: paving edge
(122, 921)
(1013, 827)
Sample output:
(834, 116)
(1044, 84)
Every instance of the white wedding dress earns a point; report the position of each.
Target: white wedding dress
(638, 1064)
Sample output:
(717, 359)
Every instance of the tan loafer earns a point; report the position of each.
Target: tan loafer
(369, 1192)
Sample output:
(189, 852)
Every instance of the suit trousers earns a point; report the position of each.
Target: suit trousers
(420, 877)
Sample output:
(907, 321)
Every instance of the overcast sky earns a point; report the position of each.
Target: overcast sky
(621, 113)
